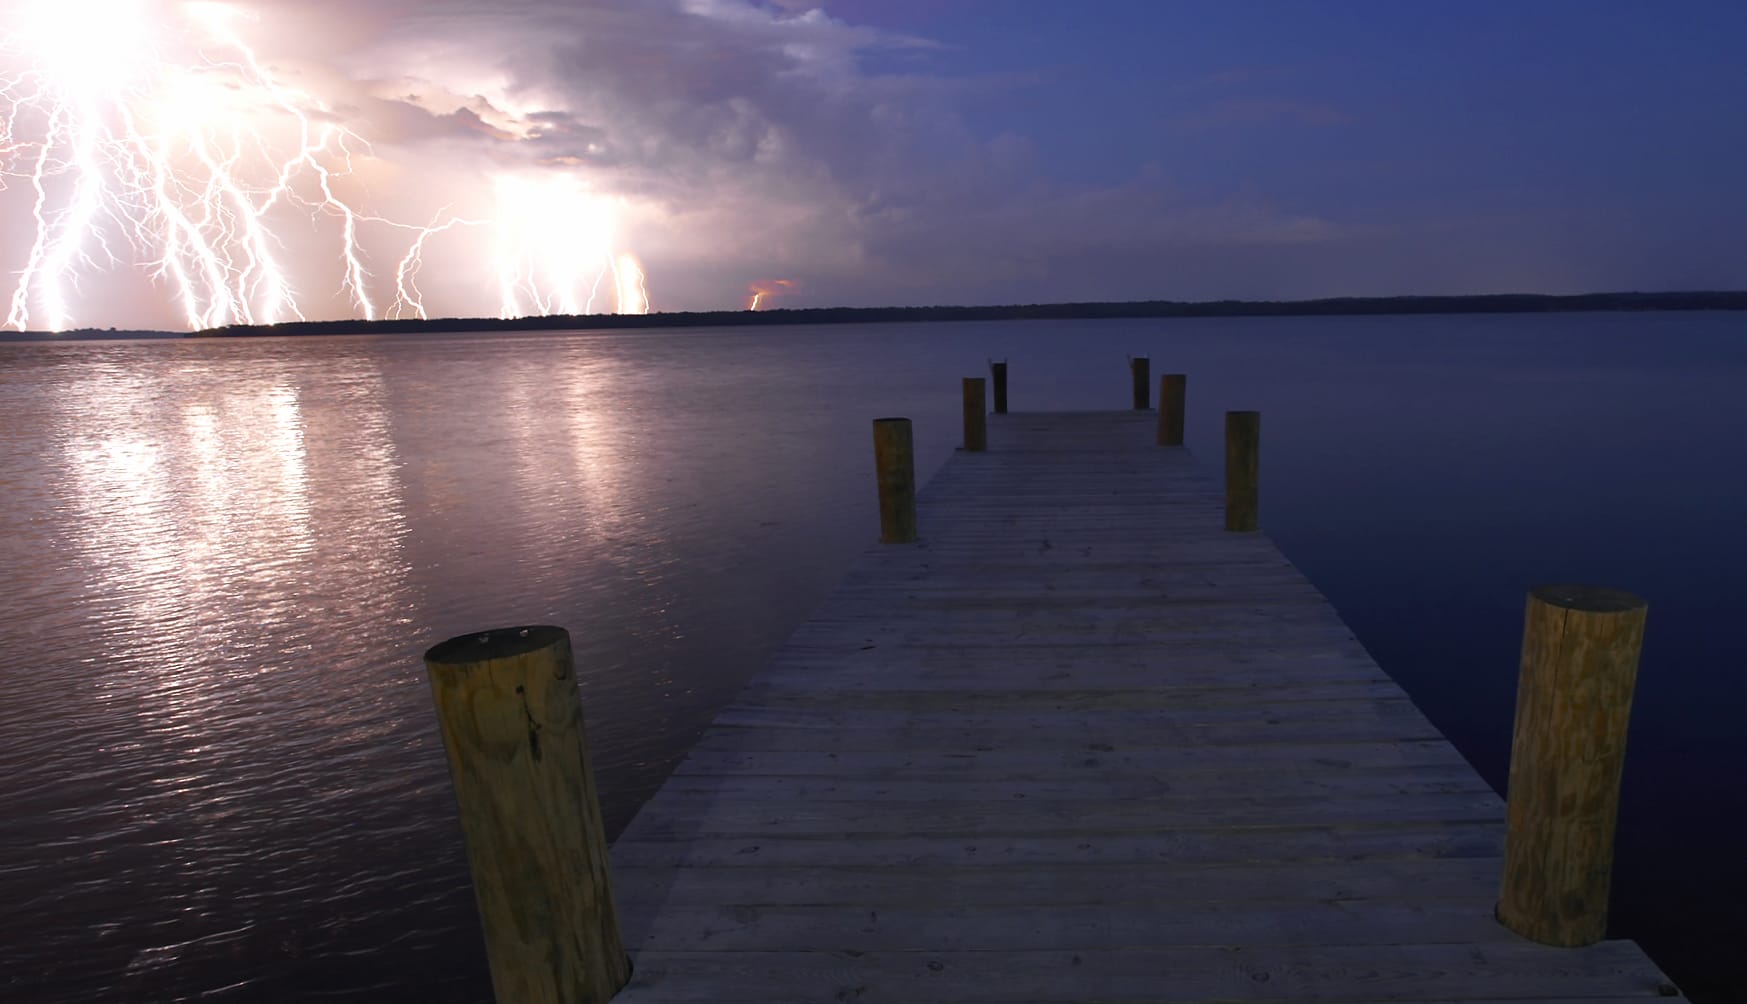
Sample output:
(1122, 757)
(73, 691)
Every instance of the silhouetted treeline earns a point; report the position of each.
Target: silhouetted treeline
(85, 335)
(1494, 304)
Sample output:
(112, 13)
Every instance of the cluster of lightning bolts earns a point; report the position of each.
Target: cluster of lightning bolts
(148, 134)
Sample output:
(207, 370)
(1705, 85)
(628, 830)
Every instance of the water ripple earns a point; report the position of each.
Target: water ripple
(222, 774)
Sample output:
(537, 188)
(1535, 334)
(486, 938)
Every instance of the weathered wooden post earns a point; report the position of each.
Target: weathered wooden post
(976, 421)
(1243, 436)
(1172, 388)
(1141, 368)
(512, 724)
(998, 373)
(1574, 698)
(895, 464)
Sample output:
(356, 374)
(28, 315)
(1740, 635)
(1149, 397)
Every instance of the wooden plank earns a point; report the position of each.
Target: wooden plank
(1210, 603)
(1067, 786)
(1074, 654)
(1077, 743)
(948, 739)
(1397, 711)
(1161, 638)
(1388, 972)
(1048, 669)
(1057, 927)
(1396, 880)
(867, 667)
(908, 763)
(798, 691)
(1307, 623)
(1037, 681)
(1414, 841)
(674, 816)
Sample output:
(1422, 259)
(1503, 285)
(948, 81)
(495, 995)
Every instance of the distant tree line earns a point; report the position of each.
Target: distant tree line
(1509, 303)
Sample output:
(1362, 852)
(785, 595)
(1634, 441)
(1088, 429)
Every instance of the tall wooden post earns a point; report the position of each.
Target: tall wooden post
(1172, 390)
(976, 421)
(895, 464)
(1141, 368)
(1243, 436)
(1574, 698)
(998, 374)
(512, 724)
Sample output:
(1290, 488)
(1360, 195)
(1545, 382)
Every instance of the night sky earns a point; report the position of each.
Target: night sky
(869, 152)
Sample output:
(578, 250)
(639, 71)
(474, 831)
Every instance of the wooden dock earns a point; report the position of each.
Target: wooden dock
(1080, 744)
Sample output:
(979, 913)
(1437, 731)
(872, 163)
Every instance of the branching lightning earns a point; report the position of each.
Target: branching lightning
(148, 134)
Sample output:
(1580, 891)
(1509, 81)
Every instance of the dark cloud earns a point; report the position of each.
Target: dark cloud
(764, 144)
(752, 130)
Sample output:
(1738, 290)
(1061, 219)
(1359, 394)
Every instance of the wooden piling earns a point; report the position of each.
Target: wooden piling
(1172, 390)
(976, 422)
(895, 465)
(1574, 699)
(1243, 434)
(1140, 367)
(512, 724)
(998, 374)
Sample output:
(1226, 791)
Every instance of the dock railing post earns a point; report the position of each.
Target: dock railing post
(895, 465)
(998, 376)
(512, 725)
(1141, 368)
(1574, 699)
(1243, 434)
(976, 421)
(1172, 389)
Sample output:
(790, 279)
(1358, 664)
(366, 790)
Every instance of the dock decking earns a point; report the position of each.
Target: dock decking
(1080, 744)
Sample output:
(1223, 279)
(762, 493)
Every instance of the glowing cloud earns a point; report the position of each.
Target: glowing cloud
(766, 289)
(149, 135)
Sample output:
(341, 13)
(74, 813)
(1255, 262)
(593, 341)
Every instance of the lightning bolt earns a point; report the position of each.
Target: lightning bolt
(148, 133)
(758, 291)
(555, 239)
(630, 285)
(408, 301)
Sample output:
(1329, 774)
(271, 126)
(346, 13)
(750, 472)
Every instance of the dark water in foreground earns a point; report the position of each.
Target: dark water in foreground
(219, 771)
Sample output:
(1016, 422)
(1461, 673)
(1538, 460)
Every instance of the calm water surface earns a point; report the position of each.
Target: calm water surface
(223, 559)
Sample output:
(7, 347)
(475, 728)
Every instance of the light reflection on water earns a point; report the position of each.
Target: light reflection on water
(219, 732)
(226, 558)
(221, 773)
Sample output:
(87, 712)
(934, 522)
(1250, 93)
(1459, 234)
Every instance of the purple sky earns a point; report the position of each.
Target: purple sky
(869, 152)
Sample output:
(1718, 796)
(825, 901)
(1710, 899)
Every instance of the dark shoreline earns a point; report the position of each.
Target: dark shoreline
(1498, 303)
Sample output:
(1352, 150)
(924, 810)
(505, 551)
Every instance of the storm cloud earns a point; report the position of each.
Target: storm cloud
(859, 152)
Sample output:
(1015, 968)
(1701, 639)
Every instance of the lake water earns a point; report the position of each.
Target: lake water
(223, 559)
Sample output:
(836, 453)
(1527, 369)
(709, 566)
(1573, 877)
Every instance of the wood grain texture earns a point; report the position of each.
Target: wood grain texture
(1173, 393)
(895, 469)
(1574, 699)
(976, 415)
(508, 709)
(1416, 842)
(1079, 743)
(1057, 927)
(1243, 436)
(1394, 971)
(1140, 373)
